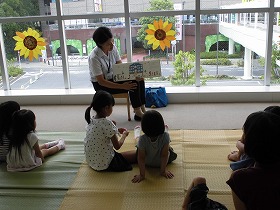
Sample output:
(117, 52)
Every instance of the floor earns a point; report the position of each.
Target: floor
(177, 116)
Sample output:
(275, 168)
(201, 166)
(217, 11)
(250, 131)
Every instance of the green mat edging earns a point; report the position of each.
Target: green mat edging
(43, 188)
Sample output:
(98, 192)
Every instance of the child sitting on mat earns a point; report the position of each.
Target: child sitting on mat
(153, 147)
(101, 139)
(257, 187)
(6, 111)
(240, 158)
(254, 187)
(25, 153)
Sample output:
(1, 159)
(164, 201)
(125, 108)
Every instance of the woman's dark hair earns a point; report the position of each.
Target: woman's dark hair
(152, 123)
(6, 111)
(261, 137)
(273, 110)
(23, 122)
(100, 100)
(101, 35)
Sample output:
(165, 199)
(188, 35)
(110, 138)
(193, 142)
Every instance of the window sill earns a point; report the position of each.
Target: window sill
(204, 94)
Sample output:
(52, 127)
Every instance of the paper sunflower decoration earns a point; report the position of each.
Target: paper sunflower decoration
(160, 34)
(29, 43)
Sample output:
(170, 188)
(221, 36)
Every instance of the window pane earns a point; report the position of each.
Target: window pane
(34, 68)
(233, 50)
(75, 7)
(144, 48)
(155, 5)
(80, 44)
(233, 4)
(1, 81)
(20, 8)
(229, 53)
(275, 60)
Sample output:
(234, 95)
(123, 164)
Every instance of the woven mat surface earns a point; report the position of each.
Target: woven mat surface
(43, 188)
(200, 153)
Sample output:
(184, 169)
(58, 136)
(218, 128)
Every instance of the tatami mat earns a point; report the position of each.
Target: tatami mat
(44, 187)
(66, 182)
(200, 153)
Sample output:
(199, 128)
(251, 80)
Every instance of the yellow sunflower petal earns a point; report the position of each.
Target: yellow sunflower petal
(41, 43)
(152, 27)
(166, 42)
(171, 33)
(32, 33)
(17, 38)
(25, 33)
(38, 51)
(156, 24)
(152, 40)
(36, 34)
(22, 52)
(26, 53)
(160, 24)
(165, 24)
(170, 38)
(148, 37)
(150, 31)
(29, 31)
(167, 27)
(18, 47)
(21, 35)
(35, 54)
(41, 47)
(155, 44)
(162, 45)
(40, 39)
(31, 55)
(20, 43)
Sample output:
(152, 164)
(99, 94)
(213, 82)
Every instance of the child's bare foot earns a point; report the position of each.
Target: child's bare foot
(234, 156)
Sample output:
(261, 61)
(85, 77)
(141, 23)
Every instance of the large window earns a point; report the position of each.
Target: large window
(212, 47)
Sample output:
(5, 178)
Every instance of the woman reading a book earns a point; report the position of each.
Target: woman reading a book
(101, 60)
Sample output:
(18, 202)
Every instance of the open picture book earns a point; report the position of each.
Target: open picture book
(129, 71)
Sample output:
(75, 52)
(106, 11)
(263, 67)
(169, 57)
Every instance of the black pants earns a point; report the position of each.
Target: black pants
(137, 96)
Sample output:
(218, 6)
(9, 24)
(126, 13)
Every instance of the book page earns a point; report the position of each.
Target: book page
(129, 71)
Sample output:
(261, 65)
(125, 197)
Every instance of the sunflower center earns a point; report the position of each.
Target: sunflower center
(30, 42)
(160, 34)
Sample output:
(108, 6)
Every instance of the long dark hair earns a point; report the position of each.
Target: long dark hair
(23, 122)
(6, 111)
(100, 100)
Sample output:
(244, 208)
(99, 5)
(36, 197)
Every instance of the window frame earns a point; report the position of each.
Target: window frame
(270, 10)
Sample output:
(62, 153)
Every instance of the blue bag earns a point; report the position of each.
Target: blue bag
(156, 97)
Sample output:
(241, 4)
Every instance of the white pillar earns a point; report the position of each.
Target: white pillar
(244, 18)
(256, 19)
(231, 49)
(247, 64)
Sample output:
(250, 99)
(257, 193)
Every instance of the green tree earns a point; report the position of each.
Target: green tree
(156, 5)
(274, 58)
(17, 8)
(275, 74)
(184, 69)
